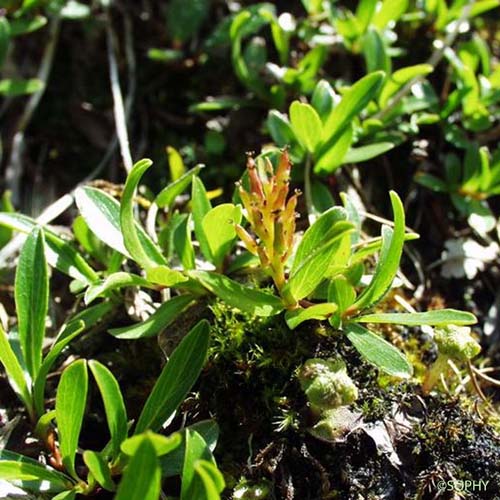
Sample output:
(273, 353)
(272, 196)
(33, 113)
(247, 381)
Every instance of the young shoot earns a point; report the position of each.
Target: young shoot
(271, 215)
(454, 343)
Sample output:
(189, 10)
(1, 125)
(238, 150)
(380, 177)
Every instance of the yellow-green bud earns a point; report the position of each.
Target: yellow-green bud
(327, 384)
(456, 342)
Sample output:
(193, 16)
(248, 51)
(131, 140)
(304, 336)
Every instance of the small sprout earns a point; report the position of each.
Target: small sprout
(327, 384)
(454, 343)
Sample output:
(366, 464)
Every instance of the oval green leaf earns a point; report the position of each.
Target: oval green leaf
(378, 351)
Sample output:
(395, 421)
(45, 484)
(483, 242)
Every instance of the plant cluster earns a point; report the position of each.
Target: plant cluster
(259, 251)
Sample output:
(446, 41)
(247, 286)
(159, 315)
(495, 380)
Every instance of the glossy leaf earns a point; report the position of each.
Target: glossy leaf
(208, 481)
(440, 317)
(378, 351)
(176, 379)
(72, 330)
(146, 255)
(352, 103)
(183, 243)
(169, 193)
(71, 398)
(390, 11)
(306, 125)
(99, 468)
(218, 228)
(58, 252)
(280, 128)
(307, 275)
(172, 464)
(196, 449)
(164, 276)
(163, 445)
(102, 214)
(295, 317)
(32, 299)
(200, 207)
(390, 255)
(323, 99)
(15, 373)
(400, 78)
(25, 469)
(334, 157)
(116, 415)
(236, 295)
(365, 153)
(142, 477)
(114, 281)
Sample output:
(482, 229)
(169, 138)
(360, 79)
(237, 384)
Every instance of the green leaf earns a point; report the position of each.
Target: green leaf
(208, 481)
(14, 88)
(102, 214)
(114, 281)
(400, 78)
(169, 193)
(30, 470)
(352, 103)
(378, 351)
(333, 158)
(375, 52)
(163, 445)
(306, 125)
(390, 255)
(316, 251)
(295, 317)
(73, 329)
(176, 379)
(164, 276)
(364, 13)
(440, 317)
(66, 495)
(142, 477)
(183, 243)
(24, 25)
(390, 11)
(218, 228)
(99, 468)
(175, 164)
(145, 255)
(58, 252)
(323, 99)
(32, 299)
(5, 34)
(14, 371)
(114, 406)
(196, 449)
(200, 207)
(364, 153)
(307, 276)
(238, 296)
(158, 321)
(71, 398)
(342, 293)
(432, 182)
(373, 246)
(280, 129)
(172, 464)
(185, 18)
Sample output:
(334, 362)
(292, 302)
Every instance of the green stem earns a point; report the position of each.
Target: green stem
(433, 375)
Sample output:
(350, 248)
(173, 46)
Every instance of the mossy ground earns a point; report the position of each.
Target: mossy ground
(249, 386)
